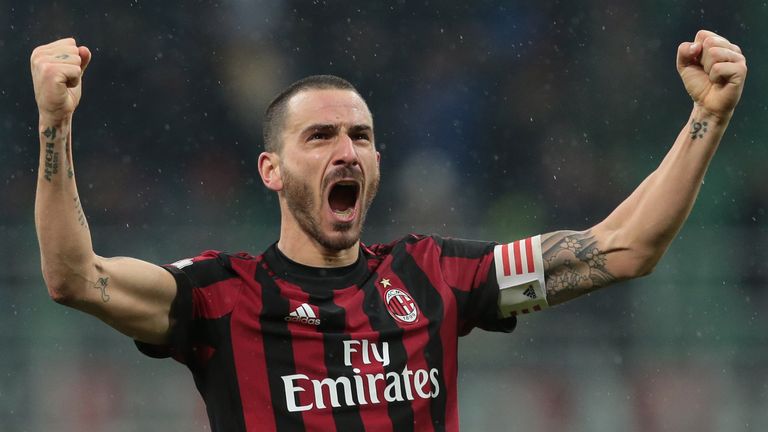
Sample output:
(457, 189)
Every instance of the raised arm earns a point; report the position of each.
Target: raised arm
(132, 296)
(632, 239)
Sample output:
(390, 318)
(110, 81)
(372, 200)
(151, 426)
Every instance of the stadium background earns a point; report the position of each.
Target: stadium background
(495, 120)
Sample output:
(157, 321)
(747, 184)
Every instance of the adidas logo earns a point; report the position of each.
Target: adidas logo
(529, 292)
(304, 315)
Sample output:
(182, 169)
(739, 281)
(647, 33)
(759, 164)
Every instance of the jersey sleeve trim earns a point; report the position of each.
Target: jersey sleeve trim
(520, 275)
(180, 317)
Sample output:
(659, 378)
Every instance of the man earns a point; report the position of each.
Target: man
(320, 332)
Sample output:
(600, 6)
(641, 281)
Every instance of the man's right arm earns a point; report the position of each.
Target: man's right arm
(130, 295)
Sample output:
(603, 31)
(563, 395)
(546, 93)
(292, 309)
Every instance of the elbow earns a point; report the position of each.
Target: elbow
(65, 277)
(646, 268)
(62, 286)
(58, 289)
(636, 256)
(645, 264)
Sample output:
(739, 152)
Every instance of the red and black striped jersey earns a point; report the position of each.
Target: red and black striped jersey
(274, 345)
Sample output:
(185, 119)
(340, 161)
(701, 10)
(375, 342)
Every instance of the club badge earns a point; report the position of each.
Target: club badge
(401, 306)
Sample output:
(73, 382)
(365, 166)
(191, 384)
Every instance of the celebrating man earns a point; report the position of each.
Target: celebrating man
(321, 332)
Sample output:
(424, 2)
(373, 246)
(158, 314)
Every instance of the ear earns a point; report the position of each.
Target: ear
(269, 170)
(378, 158)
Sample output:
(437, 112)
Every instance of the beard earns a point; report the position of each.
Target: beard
(303, 206)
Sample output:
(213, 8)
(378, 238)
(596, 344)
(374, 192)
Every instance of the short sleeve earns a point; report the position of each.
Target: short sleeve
(206, 291)
(468, 268)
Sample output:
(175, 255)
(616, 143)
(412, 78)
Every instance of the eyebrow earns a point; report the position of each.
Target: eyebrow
(319, 127)
(360, 128)
(327, 127)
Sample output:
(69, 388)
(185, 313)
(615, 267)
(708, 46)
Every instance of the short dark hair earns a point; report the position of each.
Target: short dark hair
(274, 117)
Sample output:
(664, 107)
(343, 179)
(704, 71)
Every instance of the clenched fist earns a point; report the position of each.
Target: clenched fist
(713, 71)
(57, 71)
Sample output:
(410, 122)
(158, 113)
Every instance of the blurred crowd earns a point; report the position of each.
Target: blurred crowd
(554, 110)
(502, 118)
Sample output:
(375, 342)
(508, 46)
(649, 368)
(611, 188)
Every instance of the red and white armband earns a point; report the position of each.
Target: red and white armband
(520, 274)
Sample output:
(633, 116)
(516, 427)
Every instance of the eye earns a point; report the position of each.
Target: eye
(361, 137)
(319, 136)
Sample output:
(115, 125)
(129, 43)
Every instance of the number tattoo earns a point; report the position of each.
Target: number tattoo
(698, 129)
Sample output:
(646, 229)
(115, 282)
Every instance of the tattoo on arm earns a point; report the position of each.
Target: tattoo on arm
(79, 211)
(51, 156)
(68, 155)
(101, 285)
(50, 133)
(698, 129)
(573, 264)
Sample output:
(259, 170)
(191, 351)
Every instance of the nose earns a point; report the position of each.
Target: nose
(345, 152)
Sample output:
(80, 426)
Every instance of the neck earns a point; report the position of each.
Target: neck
(300, 247)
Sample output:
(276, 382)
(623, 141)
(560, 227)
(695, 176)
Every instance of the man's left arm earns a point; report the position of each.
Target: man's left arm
(632, 239)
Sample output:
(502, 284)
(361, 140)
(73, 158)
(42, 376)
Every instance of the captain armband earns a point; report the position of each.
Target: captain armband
(520, 274)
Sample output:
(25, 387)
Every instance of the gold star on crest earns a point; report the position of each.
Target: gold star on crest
(385, 283)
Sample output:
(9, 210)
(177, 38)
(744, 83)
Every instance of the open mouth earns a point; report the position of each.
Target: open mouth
(343, 198)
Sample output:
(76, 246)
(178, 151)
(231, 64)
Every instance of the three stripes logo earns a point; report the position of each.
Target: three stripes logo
(401, 306)
(520, 260)
(304, 315)
(529, 292)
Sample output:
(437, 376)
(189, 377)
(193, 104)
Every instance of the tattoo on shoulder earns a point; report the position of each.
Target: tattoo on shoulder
(698, 129)
(573, 264)
(101, 285)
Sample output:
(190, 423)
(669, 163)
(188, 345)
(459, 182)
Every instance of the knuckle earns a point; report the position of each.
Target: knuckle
(702, 35)
(48, 70)
(36, 54)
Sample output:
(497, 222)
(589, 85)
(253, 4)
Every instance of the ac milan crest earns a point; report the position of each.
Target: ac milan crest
(401, 306)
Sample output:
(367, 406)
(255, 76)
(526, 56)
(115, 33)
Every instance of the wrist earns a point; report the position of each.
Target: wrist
(46, 120)
(701, 113)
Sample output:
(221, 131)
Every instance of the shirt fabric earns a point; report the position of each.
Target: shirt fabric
(274, 345)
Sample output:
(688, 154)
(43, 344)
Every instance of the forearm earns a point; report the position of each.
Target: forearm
(647, 221)
(65, 241)
(631, 240)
